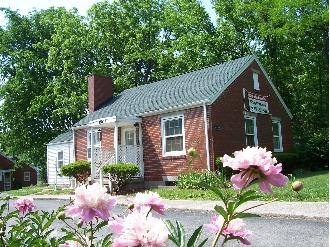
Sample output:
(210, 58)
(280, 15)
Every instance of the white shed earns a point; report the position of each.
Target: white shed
(60, 152)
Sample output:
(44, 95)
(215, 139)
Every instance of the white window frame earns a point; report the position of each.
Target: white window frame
(278, 122)
(97, 135)
(172, 153)
(254, 128)
(27, 176)
(256, 84)
(59, 160)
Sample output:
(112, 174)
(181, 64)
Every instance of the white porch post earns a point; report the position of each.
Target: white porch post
(92, 155)
(140, 134)
(115, 141)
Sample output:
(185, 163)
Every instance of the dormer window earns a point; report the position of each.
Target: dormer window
(256, 85)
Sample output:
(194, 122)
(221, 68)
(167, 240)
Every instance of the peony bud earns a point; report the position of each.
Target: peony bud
(61, 215)
(297, 186)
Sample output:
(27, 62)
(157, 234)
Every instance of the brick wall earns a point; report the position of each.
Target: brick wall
(155, 165)
(228, 114)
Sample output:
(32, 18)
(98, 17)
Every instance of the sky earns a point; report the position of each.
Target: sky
(25, 6)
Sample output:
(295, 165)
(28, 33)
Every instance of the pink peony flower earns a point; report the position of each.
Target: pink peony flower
(216, 223)
(70, 243)
(138, 230)
(149, 199)
(235, 228)
(255, 163)
(24, 205)
(91, 201)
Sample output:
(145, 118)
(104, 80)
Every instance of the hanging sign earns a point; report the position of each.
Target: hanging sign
(255, 102)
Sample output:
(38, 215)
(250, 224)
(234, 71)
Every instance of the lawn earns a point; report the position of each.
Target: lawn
(316, 189)
(39, 190)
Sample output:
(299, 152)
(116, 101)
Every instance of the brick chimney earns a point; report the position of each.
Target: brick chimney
(100, 90)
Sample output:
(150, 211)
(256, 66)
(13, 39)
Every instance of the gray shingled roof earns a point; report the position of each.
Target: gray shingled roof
(203, 85)
(64, 137)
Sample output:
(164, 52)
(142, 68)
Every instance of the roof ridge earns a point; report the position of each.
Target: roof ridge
(184, 73)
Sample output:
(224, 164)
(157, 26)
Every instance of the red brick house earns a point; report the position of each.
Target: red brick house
(14, 178)
(216, 110)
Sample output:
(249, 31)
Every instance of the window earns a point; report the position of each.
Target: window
(277, 136)
(250, 131)
(97, 137)
(60, 159)
(27, 176)
(173, 135)
(256, 85)
(129, 137)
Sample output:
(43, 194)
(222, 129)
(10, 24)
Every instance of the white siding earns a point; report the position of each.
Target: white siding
(68, 157)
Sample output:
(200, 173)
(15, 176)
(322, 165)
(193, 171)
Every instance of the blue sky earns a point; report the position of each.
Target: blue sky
(25, 6)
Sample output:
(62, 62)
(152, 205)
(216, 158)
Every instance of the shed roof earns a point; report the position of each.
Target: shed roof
(64, 137)
(183, 91)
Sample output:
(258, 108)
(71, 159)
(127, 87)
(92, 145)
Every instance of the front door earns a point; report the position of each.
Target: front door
(128, 152)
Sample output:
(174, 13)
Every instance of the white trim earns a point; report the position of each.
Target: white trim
(278, 122)
(115, 142)
(57, 159)
(173, 153)
(255, 129)
(206, 138)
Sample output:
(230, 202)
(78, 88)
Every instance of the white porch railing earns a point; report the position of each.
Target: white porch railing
(126, 154)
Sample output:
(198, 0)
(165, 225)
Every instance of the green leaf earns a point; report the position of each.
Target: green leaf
(194, 237)
(221, 211)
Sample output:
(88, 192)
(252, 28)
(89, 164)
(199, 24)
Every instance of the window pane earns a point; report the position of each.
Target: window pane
(60, 155)
(250, 140)
(89, 153)
(276, 129)
(173, 127)
(276, 141)
(174, 144)
(249, 126)
(129, 137)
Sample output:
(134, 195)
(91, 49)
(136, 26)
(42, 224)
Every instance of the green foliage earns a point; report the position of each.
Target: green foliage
(80, 170)
(290, 161)
(315, 151)
(178, 237)
(200, 180)
(121, 174)
(32, 229)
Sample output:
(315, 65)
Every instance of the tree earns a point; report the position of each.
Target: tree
(291, 39)
(40, 99)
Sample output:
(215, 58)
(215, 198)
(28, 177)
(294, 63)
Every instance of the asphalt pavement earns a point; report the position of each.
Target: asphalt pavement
(311, 210)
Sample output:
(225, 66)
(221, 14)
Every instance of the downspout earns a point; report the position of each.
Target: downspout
(207, 148)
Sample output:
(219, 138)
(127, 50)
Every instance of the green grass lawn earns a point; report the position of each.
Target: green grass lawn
(316, 189)
(39, 190)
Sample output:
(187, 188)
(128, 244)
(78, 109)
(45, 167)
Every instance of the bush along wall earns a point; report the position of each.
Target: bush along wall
(121, 174)
(80, 170)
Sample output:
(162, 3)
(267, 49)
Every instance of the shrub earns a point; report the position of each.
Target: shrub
(121, 174)
(315, 149)
(80, 170)
(224, 172)
(198, 180)
(290, 161)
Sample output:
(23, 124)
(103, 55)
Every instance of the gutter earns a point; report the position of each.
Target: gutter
(207, 147)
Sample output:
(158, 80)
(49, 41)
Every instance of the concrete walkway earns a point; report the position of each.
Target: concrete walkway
(310, 210)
